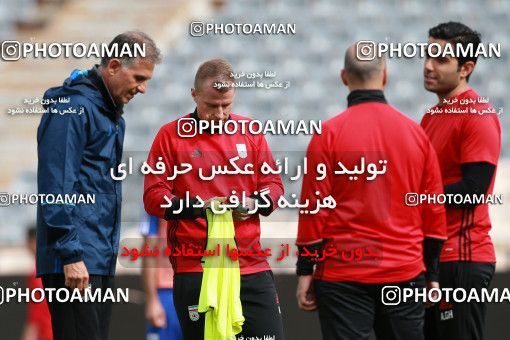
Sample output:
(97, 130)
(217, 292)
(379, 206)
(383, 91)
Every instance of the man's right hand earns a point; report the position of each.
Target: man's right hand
(305, 293)
(155, 313)
(76, 275)
(209, 202)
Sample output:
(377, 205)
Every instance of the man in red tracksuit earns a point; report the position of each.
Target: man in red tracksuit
(468, 147)
(189, 227)
(374, 239)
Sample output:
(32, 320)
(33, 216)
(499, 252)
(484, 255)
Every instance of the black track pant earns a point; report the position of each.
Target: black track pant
(79, 320)
(350, 310)
(460, 321)
(259, 300)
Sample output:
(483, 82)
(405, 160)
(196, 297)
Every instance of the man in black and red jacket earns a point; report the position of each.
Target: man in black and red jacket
(467, 146)
(202, 151)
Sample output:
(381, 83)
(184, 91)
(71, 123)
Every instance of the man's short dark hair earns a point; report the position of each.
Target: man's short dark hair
(458, 33)
(131, 38)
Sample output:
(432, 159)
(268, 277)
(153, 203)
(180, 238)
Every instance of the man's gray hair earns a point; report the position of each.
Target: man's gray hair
(132, 38)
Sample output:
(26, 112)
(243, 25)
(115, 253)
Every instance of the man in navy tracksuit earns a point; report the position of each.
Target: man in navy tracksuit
(79, 140)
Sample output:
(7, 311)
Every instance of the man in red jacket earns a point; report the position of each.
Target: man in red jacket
(188, 178)
(374, 158)
(467, 143)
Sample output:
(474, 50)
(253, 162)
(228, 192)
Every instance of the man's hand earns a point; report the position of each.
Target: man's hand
(208, 203)
(241, 212)
(305, 294)
(238, 214)
(435, 294)
(155, 313)
(76, 275)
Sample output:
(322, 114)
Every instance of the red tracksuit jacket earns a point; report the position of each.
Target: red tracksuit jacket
(204, 151)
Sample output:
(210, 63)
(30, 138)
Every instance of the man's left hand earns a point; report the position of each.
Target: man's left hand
(431, 285)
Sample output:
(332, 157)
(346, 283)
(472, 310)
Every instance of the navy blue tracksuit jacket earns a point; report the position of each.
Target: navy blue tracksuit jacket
(75, 154)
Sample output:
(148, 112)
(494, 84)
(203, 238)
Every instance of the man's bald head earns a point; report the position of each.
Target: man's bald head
(363, 73)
